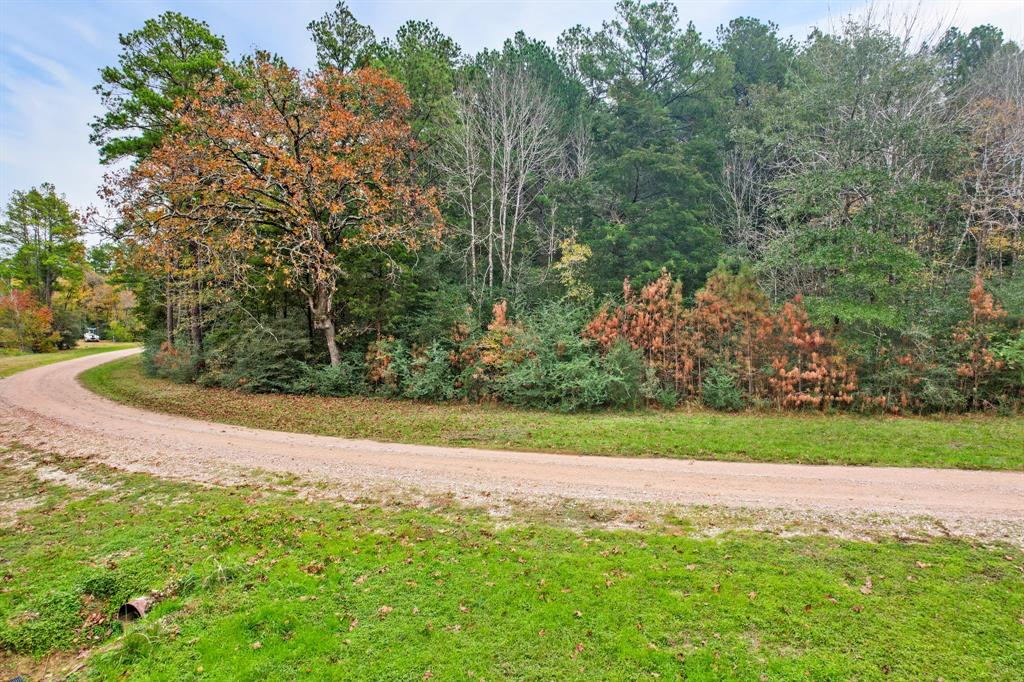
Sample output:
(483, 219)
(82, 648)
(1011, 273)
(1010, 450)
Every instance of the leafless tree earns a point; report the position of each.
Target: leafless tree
(993, 182)
(503, 144)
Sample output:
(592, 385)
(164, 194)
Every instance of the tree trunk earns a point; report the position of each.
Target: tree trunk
(320, 307)
(196, 319)
(169, 311)
(979, 253)
(332, 344)
(48, 288)
(196, 310)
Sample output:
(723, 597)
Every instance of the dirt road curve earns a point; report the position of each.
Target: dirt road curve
(48, 408)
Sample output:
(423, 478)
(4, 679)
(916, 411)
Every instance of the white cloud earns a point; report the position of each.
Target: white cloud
(926, 20)
(83, 30)
(966, 14)
(44, 133)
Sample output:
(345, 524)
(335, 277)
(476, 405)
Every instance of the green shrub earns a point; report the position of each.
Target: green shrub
(583, 382)
(431, 376)
(555, 367)
(348, 378)
(1011, 352)
(268, 361)
(653, 390)
(257, 359)
(667, 397)
(624, 367)
(569, 384)
(70, 326)
(442, 311)
(528, 384)
(388, 362)
(938, 393)
(150, 347)
(719, 391)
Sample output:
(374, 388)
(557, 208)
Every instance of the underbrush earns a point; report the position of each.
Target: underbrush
(731, 350)
(542, 363)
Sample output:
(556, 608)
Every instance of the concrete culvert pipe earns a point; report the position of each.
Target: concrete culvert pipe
(134, 609)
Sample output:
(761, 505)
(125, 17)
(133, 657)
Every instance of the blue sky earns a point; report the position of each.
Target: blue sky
(50, 53)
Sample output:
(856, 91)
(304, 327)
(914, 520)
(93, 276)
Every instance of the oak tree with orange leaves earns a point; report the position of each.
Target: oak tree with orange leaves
(284, 173)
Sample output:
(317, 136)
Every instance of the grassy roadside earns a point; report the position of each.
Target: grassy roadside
(12, 364)
(951, 442)
(260, 585)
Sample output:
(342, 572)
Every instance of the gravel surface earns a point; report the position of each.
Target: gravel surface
(47, 409)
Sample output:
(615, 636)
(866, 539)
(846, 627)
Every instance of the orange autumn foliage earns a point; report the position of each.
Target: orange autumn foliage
(810, 372)
(974, 336)
(776, 355)
(277, 176)
(490, 355)
(25, 324)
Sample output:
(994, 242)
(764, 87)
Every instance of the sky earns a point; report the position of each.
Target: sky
(51, 52)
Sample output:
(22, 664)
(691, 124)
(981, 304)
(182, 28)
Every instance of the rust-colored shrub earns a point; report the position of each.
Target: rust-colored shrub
(809, 369)
(776, 355)
(973, 337)
(651, 321)
(169, 361)
(483, 362)
(387, 365)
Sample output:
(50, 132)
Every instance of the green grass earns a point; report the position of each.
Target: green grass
(262, 586)
(12, 364)
(971, 442)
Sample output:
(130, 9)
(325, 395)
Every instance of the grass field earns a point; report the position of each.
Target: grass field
(258, 585)
(972, 442)
(11, 364)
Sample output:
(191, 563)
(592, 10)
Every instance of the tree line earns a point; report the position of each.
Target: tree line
(636, 214)
(52, 287)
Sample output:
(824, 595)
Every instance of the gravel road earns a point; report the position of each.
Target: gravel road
(47, 408)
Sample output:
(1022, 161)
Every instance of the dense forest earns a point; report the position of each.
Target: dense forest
(637, 215)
